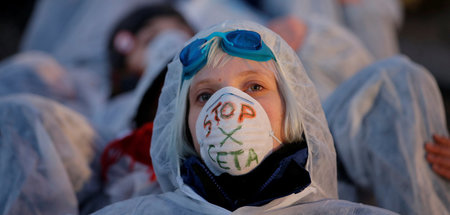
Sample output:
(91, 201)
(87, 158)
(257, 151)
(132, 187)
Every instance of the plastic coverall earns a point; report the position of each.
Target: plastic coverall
(204, 13)
(331, 54)
(329, 9)
(45, 77)
(45, 153)
(49, 160)
(75, 34)
(376, 24)
(38, 73)
(380, 120)
(317, 198)
(117, 117)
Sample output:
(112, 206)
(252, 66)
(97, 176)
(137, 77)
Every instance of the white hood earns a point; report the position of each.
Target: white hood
(321, 162)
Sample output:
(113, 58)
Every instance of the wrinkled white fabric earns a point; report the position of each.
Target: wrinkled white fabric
(331, 54)
(380, 120)
(45, 153)
(329, 9)
(38, 73)
(117, 117)
(298, 81)
(178, 203)
(116, 121)
(76, 34)
(376, 24)
(76, 31)
(321, 164)
(204, 13)
(125, 184)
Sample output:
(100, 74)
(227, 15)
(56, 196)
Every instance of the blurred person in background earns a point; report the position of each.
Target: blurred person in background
(383, 120)
(73, 174)
(329, 52)
(323, 57)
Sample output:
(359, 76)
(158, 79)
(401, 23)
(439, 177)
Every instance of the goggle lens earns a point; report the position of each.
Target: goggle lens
(238, 43)
(249, 40)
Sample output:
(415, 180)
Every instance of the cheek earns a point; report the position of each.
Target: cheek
(274, 108)
(136, 60)
(192, 120)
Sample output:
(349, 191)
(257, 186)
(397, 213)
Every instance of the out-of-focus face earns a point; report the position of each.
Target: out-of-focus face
(136, 59)
(291, 29)
(257, 79)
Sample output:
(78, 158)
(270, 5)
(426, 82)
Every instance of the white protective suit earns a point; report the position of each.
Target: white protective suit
(40, 74)
(329, 9)
(331, 54)
(380, 120)
(204, 13)
(117, 119)
(75, 34)
(376, 23)
(317, 198)
(45, 156)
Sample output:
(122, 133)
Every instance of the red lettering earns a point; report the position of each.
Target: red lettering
(223, 110)
(207, 124)
(246, 112)
(214, 110)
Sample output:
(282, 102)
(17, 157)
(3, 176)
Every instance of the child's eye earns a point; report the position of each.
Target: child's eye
(203, 97)
(255, 87)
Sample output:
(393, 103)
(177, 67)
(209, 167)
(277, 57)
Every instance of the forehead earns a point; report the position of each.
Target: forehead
(230, 67)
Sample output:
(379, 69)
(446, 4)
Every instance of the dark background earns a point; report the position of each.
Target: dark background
(424, 36)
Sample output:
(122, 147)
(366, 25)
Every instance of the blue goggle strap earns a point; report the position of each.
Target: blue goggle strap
(192, 69)
(262, 54)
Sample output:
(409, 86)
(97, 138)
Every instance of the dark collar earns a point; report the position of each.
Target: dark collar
(280, 174)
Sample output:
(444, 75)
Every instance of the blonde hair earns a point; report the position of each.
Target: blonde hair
(293, 128)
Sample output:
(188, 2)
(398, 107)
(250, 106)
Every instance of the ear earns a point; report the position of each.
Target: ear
(124, 42)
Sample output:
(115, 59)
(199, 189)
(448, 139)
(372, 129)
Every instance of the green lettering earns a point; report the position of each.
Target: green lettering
(221, 162)
(236, 160)
(229, 135)
(209, 152)
(252, 156)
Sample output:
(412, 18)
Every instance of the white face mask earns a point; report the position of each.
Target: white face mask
(234, 132)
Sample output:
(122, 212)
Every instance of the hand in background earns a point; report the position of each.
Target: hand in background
(438, 155)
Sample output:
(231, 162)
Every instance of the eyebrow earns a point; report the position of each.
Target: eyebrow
(258, 73)
(251, 72)
(243, 74)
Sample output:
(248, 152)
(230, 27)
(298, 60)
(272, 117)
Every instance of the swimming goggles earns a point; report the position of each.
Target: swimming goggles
(238, 43)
